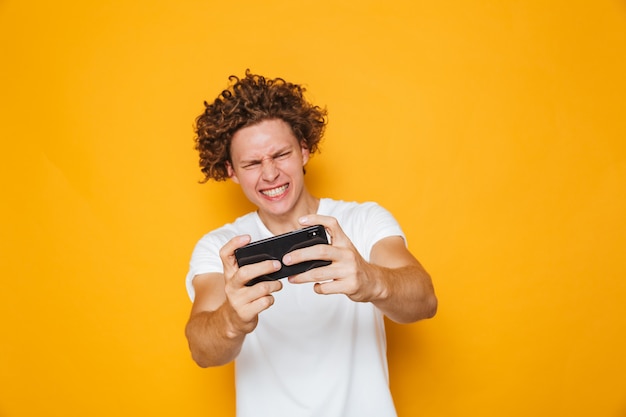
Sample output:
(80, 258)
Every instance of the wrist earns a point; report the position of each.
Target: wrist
(234, 327)
(378, 283)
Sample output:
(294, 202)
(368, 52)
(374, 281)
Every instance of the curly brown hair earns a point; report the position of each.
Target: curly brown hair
(248, 101)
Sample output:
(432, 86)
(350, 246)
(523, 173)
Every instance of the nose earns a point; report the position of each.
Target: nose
(269, 170)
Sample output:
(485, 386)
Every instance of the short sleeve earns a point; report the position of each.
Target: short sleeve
(205, 257)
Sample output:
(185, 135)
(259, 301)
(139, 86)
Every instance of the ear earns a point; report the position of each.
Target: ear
(231, 172)
(306, 154)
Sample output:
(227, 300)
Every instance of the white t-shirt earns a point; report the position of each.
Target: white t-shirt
(310, 354)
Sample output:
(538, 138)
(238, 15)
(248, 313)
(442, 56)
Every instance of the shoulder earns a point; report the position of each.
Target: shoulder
(364, 223)
(223, 234)
(332, 207)
(352, 210)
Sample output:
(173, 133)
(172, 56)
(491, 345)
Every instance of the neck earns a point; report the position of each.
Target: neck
(278, 224)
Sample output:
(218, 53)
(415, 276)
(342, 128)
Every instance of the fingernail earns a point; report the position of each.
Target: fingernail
(303, 220)
(287, 259)
(276, 265)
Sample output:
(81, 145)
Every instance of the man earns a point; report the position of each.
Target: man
(314, 344)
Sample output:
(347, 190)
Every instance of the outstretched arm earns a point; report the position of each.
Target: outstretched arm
(406, 291)
(393, 279)
(224, 310)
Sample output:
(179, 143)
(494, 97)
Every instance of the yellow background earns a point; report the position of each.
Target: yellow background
(495, 131)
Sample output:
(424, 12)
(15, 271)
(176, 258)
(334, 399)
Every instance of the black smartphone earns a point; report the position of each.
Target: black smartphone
(276, 247)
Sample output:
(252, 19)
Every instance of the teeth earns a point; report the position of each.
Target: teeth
(275, 191)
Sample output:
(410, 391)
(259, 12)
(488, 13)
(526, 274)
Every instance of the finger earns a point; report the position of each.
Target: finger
(319, 274)
(263, 303)
(337, 287)
(336, 233)
(247, 295)
(251, 271)
(227, 253)
(329, 287)
(250, 301)
(254, 308)
(311, 253)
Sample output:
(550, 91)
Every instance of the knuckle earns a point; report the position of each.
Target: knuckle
(265, 287)
(324, 251)
(265, 302)
(224, 251)
(352, 288)
(333, 222)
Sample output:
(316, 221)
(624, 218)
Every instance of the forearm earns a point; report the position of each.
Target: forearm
(404, 294)
(212, 341)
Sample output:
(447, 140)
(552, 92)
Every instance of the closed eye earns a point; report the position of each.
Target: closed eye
(283, 155)
(279, 156)
(251, 164)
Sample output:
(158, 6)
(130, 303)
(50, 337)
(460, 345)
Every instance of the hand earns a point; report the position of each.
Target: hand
(348, 273)
(246, 302)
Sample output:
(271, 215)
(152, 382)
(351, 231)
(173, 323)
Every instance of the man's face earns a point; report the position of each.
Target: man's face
(268, 161)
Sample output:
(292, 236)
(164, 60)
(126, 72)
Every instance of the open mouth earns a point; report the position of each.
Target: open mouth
(275, 192)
